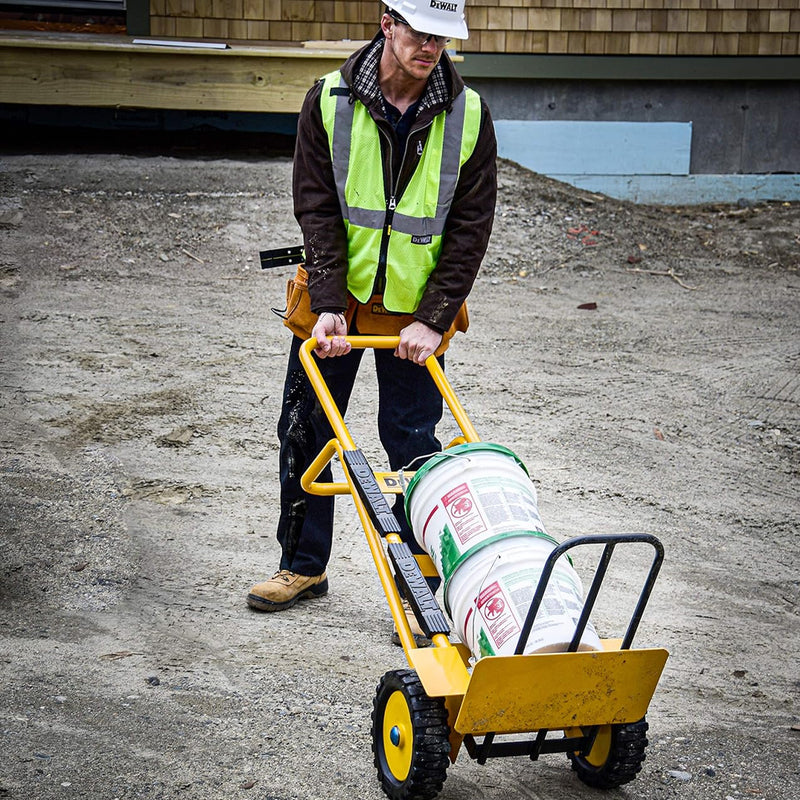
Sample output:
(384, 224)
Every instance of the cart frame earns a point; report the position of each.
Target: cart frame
(583, 694)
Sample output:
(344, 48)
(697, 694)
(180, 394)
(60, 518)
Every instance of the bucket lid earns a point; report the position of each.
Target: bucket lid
(459, 450)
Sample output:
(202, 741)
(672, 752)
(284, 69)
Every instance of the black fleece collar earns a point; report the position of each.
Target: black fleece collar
(367, 89)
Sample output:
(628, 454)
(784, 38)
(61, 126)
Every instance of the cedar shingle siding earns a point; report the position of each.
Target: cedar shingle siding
(576, 27)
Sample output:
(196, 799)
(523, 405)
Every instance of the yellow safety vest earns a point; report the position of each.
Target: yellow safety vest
(409, 228)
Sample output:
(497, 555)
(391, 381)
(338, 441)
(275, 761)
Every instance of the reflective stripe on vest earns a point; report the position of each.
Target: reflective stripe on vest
(418, 221)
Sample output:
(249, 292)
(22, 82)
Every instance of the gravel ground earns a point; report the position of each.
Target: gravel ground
(642, 361)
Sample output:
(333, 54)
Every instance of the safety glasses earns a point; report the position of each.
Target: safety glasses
(418, 37)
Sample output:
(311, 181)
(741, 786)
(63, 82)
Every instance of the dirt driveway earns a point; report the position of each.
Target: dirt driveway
(642, 362)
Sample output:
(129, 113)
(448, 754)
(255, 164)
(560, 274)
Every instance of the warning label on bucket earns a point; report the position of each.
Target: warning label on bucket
(507, 503)
(496, 612)
(464, 513)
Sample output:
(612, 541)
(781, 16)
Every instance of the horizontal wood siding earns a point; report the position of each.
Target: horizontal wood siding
(575, 27)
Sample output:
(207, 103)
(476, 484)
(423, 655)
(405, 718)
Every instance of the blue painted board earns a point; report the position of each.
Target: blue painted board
(554, 147)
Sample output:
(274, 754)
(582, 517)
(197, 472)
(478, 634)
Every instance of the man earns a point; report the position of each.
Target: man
(394, 190)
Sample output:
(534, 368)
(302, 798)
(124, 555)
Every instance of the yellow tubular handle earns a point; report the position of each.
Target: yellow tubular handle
(379, 343)
(308, 480)
(323, 393)
(344, 442)
(453, 403)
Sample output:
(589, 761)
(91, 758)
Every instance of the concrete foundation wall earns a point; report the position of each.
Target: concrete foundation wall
(737, 126)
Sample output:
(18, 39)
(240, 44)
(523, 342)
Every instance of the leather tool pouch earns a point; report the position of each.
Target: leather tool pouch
(298, 317)
(371, 318)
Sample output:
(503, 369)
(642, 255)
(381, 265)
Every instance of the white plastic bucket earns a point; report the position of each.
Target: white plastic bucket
(473, 509)
(488, 599)
(467, 496)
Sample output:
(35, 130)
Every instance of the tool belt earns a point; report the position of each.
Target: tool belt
(371, 318)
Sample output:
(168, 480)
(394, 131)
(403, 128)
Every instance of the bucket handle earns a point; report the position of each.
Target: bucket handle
(474, 604)
(401, 472)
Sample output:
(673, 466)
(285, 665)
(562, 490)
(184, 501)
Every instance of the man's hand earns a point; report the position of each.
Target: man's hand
(334, 325)
(418, 342)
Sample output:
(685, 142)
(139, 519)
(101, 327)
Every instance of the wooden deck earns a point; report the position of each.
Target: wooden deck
(111, 71)
(97, 70)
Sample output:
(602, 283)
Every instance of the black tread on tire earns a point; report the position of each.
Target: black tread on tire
(430, 745)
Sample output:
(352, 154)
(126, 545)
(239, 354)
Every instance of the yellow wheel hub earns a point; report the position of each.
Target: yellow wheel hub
(601, 748)
(398, 736)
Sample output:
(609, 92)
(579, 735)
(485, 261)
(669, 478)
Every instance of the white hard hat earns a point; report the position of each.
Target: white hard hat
(439, 17)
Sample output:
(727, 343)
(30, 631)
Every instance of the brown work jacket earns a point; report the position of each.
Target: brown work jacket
(316, 204)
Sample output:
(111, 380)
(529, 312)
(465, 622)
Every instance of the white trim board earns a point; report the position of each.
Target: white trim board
(689, 190)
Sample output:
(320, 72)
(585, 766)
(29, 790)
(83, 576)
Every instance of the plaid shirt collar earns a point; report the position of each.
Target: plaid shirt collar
(367, 88)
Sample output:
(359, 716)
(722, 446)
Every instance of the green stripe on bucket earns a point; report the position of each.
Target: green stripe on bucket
(478, 547)
(462, 450)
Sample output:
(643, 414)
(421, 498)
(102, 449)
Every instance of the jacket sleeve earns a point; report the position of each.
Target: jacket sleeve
(466, 233)
(317, 210)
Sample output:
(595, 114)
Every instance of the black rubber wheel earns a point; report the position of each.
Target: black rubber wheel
(410, 738)
(615, 758)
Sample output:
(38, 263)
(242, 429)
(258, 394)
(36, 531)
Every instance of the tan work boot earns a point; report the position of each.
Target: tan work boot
(284, 589)
(419, 635)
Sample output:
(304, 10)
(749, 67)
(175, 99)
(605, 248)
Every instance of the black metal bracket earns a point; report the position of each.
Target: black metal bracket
(416, 590)
(370, 492)
(281, 257)
(532, 748)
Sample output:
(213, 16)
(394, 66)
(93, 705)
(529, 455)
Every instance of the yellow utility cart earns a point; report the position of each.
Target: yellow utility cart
(589, 705)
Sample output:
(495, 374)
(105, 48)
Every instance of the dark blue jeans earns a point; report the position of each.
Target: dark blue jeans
(409, 408)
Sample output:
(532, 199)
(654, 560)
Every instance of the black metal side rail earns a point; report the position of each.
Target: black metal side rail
(406, 569)
(610, 541)
(539, 744)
